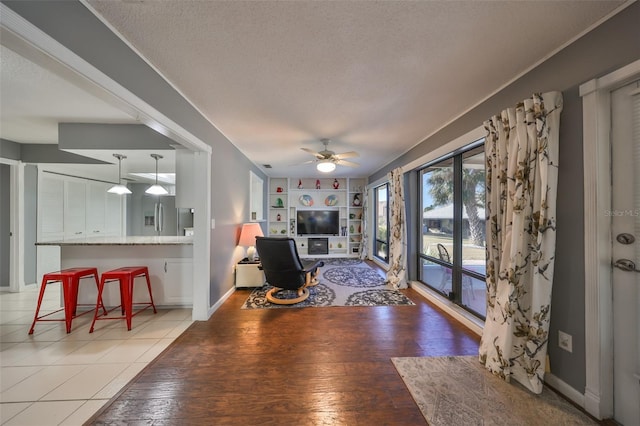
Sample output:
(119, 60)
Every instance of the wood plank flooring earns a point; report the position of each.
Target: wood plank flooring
(309, 366)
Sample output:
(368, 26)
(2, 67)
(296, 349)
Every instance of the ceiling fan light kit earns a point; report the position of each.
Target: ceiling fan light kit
(326, 166)
(119, 189)
(328, 160)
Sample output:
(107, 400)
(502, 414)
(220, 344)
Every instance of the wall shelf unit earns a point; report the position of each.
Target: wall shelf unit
(288, 196)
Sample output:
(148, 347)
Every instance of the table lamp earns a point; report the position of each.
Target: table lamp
(248, 235)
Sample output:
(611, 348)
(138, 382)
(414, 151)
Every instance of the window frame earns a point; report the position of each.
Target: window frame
(376, 240)
(458, 272)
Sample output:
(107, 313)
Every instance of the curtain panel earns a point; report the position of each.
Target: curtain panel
(522, 173)
(397, 273)
(364, 244)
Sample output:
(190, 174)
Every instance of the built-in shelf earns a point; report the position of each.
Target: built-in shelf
(289, 195)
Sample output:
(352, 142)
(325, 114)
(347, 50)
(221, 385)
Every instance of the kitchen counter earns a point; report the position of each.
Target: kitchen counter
(168, 258)
(122, 241)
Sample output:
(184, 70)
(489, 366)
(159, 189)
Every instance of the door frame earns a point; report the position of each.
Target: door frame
(16, 224)
(24, 38)
(596, 124)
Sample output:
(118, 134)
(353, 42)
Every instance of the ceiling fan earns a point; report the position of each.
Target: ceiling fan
(327, 160)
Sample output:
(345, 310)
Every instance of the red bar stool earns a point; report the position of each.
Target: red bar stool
(70, 279)
(125, 276)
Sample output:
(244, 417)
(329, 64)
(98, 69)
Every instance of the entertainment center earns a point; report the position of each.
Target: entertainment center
(324, 215)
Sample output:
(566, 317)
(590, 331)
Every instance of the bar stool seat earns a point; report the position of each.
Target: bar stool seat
(125, 277)
(70, 279)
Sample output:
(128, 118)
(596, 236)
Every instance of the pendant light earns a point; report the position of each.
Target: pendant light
(119, 189)
(156, 189)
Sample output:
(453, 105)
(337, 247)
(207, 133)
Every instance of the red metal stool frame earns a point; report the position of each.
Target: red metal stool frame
(70, 279)
(125, 276)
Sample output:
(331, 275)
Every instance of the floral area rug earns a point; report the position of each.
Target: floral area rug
(458, 390)
(342, 282)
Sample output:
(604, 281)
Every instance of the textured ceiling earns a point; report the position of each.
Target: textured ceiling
(374, 77)
(34, 100)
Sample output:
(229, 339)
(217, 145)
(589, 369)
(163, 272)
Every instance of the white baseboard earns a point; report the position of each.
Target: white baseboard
(219, 303)
(469, 320)
(565, 389)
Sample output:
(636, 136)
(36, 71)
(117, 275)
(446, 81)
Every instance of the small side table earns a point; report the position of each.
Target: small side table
(248, 274)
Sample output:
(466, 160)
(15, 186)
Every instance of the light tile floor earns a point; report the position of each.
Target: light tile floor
(55, 378)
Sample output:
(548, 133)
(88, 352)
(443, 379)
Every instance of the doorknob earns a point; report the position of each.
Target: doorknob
(626, 265)
(625, 238)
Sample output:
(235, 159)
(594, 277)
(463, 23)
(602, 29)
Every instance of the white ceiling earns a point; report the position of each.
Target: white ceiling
(374, 77)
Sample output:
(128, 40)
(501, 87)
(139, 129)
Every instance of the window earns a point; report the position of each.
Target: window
(381, 237)
(452, 246)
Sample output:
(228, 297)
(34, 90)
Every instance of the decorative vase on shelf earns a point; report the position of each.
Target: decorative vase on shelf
(351, 229)
(336, 184)
(356, 200)
(278, 218)
(317, 183)
(299, 183)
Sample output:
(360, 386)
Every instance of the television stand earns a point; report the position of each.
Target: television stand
(318, 245)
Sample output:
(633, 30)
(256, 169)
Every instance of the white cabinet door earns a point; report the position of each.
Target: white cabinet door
(51, 208)
(96, 209)
(113, 220)
(74, 209)
(178, 282)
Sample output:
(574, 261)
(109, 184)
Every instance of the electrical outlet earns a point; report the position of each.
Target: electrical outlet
(565, 341)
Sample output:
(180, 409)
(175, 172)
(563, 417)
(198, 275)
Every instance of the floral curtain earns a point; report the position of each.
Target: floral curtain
(397, 274)
(522, 173)
(364, 244)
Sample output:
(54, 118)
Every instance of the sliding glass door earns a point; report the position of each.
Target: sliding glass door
(452, 256)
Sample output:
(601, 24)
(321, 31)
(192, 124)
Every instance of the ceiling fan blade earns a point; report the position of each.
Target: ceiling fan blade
(312, 152)
(306, 162)
(349, 154)
(347, 163)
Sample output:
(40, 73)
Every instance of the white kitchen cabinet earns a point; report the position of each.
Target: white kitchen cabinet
(178, 282)
(115, 206)
(75, 200)
(96, 209)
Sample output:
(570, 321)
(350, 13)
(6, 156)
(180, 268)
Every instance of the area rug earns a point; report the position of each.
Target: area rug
(342, 282)
(458, 390)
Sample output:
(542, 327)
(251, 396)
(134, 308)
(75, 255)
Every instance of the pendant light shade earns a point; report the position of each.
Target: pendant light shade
(156, 189)
(119, 189)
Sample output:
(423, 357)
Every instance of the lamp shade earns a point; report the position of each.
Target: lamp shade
(326, 166)
(248, 235)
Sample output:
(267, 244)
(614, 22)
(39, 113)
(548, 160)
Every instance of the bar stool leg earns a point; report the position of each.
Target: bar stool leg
(70, 294)
(126, 290)
(98, 303)
(45, 281)
(146, 275)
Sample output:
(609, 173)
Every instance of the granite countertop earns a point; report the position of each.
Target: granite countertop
(122, 241)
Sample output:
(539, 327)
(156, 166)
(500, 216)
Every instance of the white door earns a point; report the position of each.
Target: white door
(625, 223)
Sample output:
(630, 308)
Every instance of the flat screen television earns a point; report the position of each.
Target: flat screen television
(318, 222)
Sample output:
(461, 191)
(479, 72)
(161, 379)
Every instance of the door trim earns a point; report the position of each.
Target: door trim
(596, 123)
(31, 42)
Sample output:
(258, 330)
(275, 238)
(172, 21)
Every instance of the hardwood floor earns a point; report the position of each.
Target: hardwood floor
(309, 366)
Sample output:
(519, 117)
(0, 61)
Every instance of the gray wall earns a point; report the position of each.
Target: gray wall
(73, 25)
(5, 212)
(30, 222)
(9, 149)
(610, 46)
